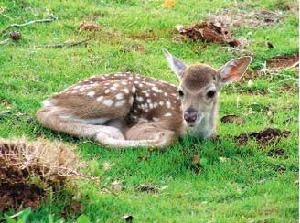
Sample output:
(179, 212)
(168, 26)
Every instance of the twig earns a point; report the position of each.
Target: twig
(66, 44)
(3, 42)
(51, 18)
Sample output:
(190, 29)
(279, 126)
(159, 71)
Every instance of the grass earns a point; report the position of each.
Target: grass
(246, 187)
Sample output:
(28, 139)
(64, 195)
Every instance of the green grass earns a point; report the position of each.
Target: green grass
(245, 188)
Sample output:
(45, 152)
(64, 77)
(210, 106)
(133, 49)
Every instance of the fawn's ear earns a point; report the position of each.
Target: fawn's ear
(234, 70)
(176, 65)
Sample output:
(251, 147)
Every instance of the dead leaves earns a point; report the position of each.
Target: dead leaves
(169, 4)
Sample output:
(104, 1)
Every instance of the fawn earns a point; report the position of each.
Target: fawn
(129, 110)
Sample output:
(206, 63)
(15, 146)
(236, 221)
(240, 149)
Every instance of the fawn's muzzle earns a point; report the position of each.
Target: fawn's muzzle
(190, 116)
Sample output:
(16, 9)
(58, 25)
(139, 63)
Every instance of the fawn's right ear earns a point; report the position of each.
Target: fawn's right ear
(176, 65)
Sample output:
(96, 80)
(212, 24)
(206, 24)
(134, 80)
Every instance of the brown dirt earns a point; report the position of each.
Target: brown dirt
(266, 136)
(245, 18)
(74, 208)
(232, 119)
(49, 164)
(276, 152)
(212, 30)
(280, 62)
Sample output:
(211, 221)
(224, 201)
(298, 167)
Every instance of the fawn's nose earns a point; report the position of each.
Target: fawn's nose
(190, 115)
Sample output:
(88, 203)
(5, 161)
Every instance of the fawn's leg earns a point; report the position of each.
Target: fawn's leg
(54, 120)
(140, 135)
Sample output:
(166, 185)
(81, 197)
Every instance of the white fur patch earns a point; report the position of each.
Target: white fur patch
(126, 91)
(168, 114)
(99, 99)
(140, 99)
(168, 104)
(155, 119)
(119, 103)
(119, 96)
(106, 91)
(161, 103)
(108, 103)
(47, 104)
(91, 93)
(131, 100)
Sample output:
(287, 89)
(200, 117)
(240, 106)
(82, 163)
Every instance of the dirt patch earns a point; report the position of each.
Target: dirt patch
(245, 18)
(28, 170)
(89, 26)
(276, 152)
(215, 29)
(74, 208)
(232, 119)
(280, 62)
(266, 136)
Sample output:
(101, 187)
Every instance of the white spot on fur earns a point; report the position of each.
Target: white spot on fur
(136, 82)
(133, 89)
(150, 105)
(141, 85)
(91, 93)
(119, 96)
(119, 103)
(147, 94)
(149, 100)
(47, 103)
(126, 91)
(168, 114)
(115, 85)
(108, 103)
(131, 100)
(99, 99)
(155, 119)
(161, 103)
(166, 94)
(168, 104)
(140, 99)
(106, 91)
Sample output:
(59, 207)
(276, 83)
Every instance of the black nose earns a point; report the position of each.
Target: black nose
(190, 116)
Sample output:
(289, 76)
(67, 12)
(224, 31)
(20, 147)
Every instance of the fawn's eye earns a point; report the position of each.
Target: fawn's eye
(180, 93)
(211, 94)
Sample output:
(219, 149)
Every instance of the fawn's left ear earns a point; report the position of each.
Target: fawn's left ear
(175, 64)
(234, 70)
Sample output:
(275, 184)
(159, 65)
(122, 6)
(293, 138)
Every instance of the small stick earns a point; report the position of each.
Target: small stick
(47, 20)
(66, 44)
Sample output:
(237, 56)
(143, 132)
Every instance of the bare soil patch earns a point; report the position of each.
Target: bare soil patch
(232, 119)
(28, 170)
(266, 136)
(280, 62)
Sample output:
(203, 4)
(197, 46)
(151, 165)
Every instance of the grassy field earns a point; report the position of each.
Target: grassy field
(235, 183)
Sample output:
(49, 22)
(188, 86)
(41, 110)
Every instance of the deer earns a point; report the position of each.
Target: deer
(122, 110)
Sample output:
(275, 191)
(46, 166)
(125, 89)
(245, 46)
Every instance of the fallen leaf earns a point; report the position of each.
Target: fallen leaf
(169, 3)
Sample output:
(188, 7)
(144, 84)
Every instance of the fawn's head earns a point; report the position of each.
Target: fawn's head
(200, 85)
